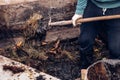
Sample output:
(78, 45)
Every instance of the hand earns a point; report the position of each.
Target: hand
(75, 18)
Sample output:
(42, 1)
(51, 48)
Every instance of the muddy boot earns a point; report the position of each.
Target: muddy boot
(86, 59)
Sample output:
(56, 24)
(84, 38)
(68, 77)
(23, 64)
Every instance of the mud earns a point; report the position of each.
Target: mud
(62, 62)
(40, 78)
(14, 69)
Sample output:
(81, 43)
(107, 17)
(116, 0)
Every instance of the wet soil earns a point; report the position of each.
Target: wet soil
(62, 61)
(14, 69)
(40, 78)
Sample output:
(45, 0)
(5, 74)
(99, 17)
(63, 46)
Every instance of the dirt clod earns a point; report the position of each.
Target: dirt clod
(14, 69)
(40, 78)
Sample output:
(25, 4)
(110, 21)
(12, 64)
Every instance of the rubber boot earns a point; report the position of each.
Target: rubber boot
(86, 59)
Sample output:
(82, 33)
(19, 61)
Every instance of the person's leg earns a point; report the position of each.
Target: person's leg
(86, 42)
(87, 36)
(113, 30)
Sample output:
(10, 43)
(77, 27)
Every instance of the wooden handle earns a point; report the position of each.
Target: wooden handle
(68, 22)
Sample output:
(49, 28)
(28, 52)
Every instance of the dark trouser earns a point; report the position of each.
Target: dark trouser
(90, 30)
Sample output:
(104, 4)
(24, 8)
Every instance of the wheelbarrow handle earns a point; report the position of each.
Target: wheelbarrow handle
(83, 20)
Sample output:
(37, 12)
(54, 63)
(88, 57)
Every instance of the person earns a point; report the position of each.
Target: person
(89, 30)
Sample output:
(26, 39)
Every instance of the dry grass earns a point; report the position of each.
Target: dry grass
(32, 25)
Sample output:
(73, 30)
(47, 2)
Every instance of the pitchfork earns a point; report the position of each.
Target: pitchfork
(83, 20)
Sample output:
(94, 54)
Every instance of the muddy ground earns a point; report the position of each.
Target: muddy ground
(60, 59)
